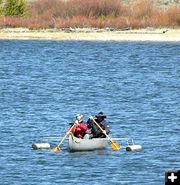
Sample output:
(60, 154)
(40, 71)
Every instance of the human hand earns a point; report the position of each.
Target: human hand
(90, 117)
(76, 122)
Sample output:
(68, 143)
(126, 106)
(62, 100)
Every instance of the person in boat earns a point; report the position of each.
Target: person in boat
(80, 129)
(95, 131)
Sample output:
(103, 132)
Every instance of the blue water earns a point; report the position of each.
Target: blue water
(44, 84)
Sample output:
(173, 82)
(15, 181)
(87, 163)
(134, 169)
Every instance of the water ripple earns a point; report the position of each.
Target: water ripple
(44, 84)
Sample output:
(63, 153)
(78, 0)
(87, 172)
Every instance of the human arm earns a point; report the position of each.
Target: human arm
(106, 128)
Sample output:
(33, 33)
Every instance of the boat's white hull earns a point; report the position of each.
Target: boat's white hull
(77, 144)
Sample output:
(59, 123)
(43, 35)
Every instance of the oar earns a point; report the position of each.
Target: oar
(57, 148)
(114, 144)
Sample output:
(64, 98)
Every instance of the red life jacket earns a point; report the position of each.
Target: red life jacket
(81, 130)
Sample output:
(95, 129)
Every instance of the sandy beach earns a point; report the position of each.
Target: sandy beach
(171, 35)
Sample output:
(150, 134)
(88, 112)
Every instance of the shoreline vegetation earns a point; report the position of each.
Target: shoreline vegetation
(123, 20)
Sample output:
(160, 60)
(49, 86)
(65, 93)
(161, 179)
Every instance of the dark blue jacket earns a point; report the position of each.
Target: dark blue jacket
(95, 131)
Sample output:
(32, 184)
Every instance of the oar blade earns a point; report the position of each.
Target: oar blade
(114, 145)
(55, 149)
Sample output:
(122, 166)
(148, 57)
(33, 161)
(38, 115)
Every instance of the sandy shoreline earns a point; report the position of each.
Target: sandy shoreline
(169, 35)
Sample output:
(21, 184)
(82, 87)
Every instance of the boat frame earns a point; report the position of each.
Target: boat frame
(78, 144)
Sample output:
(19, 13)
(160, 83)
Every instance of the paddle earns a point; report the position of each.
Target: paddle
(114, 145)
(57, 148)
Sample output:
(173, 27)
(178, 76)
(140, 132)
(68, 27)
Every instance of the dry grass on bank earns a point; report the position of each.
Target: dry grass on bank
(170, 35)
(96, 14)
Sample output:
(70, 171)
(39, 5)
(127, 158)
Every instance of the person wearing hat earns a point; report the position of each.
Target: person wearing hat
(80, 127)
(95, 131)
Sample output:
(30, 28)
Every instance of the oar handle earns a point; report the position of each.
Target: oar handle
(91, 118)
(68, 132)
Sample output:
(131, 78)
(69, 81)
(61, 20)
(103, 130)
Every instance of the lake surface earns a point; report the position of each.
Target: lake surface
(44, 84)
